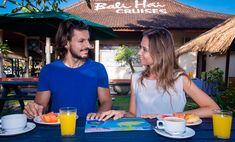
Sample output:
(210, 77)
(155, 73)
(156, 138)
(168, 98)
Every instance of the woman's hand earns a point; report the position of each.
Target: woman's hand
(92, 116)
(151, 116)
(115, 114)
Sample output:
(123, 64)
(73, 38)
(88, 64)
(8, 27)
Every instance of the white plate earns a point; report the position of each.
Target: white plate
(189, 133)
(30, 126)
(161, 116)
(38, 120)
(194, 123)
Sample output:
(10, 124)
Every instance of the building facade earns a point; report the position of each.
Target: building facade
(129, 18)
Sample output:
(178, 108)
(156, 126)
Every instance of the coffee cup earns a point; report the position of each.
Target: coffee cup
(13, 122)
(172, 125)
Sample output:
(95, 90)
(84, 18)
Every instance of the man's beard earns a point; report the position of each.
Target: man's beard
(75, 55)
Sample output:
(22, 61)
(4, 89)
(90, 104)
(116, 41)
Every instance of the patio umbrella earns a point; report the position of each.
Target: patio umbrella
(46, 24)
(216, 40)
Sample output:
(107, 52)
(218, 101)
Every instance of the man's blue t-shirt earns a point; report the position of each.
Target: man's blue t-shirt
(73, 87)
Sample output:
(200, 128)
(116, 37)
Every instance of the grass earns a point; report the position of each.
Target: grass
(121, 102)
(11, 107)
(190, 104)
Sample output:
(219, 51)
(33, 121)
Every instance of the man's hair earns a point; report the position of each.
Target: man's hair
(65, 33)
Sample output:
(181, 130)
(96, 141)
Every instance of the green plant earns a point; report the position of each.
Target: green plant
(223, 95)
(215, 75)
(226, 99)
(127, 55)
(4, 49)
(203, 75)
(214, 80)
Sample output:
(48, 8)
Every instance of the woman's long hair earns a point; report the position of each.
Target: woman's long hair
(165, 66)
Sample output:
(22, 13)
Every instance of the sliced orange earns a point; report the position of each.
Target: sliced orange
(50, 117)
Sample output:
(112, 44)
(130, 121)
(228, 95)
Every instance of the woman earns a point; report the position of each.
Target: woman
(163, 85)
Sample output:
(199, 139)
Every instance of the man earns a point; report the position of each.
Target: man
(73, 81)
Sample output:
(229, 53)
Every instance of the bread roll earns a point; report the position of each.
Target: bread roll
(191, 118)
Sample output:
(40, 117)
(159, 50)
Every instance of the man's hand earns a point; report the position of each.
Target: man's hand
(33, 109)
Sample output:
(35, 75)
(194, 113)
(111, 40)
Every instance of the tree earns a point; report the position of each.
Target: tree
(4, 49)
(127, 55)
(36, 5)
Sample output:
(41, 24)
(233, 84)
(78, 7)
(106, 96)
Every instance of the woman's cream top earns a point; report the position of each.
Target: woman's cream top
(152, 100)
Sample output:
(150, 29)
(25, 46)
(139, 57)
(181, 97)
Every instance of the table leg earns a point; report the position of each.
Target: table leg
(19, 94)
(5, 92)
(2, 102)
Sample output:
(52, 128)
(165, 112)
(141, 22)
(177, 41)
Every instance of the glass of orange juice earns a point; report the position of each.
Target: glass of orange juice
(222, 122)
(190, 74)
(68, 121)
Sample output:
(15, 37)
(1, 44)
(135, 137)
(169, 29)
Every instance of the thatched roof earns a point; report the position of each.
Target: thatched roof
(216, 40)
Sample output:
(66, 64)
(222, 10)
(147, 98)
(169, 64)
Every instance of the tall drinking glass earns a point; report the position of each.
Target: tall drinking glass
(68, 121)
(222, 123)
(190, 74)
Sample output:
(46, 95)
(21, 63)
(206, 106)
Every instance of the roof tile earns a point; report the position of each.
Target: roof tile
(178, 15)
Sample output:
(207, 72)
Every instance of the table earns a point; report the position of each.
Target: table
(49, 133)
(16, 84)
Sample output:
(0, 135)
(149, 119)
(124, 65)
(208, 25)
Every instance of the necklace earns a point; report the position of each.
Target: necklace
(76, 66)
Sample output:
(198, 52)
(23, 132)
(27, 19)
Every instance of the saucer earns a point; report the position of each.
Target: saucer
(30, 126)
(189, 133)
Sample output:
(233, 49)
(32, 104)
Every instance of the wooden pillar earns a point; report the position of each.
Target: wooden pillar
(1, 56)
(26, 53)
(228, 61)
(48, 50)
(97, 50)
(227, 66)
(1, 35)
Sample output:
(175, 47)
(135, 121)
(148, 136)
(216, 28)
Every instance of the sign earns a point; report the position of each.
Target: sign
(138, 7)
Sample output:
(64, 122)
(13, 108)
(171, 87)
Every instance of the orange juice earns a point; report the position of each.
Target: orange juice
(67, 122)
(222, 125)
(190, 74)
